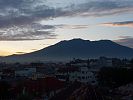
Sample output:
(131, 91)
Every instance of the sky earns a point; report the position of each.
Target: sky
(30, 25)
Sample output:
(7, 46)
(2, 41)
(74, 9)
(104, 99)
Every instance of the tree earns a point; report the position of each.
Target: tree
(4, 90)
(115, 77)
(131, 61)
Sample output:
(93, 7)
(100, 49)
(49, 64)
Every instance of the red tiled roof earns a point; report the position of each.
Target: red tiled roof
(43, 84)
(68, 69)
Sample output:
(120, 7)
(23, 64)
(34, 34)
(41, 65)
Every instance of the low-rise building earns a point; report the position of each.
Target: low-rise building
(101, 62)
(87, 76)
(80, 73)
(26, 72)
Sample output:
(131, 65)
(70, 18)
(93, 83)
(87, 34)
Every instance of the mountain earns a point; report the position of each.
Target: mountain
(75, 48)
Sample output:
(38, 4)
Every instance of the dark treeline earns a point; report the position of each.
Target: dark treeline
(115, 76)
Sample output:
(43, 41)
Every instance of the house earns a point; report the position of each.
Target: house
(103, 61)
(65, 72)
(79, 73)
(86, 76)
(26, 72)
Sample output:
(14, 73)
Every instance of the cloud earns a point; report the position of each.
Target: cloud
(18, 20)
(65, 26)
(21, 12)
(18, 16)
(27, 32)
(120, 24)
(34, 31)
(126, 41)
(34, 49)
(20, 52)
(101, 8)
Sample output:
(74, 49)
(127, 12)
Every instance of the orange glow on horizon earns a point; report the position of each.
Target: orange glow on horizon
(4, 53)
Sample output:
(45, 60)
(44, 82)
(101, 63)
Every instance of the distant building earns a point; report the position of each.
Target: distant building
(6, 73)
(101, 62)
(85, 75)
(26, 72)
(79, 73)
(80, 64)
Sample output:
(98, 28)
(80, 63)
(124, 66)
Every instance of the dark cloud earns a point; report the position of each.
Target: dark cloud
(20, 52)
(27, 32)
(34, 31)
(23, 13)
(19, 12)
(126, 41)
(101, 8)
(31, 36)
(18, 20)
(120, 24)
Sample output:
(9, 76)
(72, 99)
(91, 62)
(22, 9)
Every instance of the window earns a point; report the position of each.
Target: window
(83, 72)
(79, 78)
(83, 77)
(92, 81)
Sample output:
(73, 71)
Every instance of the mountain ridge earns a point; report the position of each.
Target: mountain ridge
(75, 48)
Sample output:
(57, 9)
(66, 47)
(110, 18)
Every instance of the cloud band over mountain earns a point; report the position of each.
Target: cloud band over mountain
(120, 24)
(126, 41)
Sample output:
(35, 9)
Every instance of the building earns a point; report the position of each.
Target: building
(80, 73)
(86, 76)
(103, 61)
(26, 72)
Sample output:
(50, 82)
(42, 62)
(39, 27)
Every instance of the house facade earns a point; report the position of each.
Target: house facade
(80, 73)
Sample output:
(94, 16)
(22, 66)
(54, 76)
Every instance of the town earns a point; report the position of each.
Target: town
(66, 49)
(92, 79)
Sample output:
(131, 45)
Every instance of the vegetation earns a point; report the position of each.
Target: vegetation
(114, 77)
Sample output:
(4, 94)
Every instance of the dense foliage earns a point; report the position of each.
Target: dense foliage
(114, 77)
